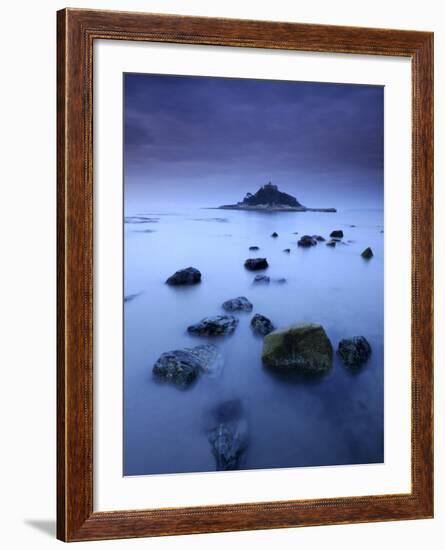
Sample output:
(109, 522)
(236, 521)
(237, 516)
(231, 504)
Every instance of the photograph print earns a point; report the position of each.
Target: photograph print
(253, 295)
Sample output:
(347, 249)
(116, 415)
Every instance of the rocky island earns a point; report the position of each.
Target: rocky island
(270, 199)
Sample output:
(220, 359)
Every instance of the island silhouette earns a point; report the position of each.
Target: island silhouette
(269, 198)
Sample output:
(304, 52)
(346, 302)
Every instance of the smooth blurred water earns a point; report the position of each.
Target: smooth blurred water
(337, 419)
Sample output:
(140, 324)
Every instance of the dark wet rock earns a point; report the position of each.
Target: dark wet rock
(318, 238)
(274, 234)
(182, 367)
(131, 297)
(337, 234)
(217, 325)
(254, 264)
(280, 280)
(295, 233)
(264, 279)
(254, 247)
(306, 241)
(261, 324)
(287, 250)
(301, 349)
(229, 438)
(354, 351)
(187, 276)
(331, 243)
(367, 253)
(238, 304)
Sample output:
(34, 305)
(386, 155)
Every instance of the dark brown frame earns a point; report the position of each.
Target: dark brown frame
(77, 30)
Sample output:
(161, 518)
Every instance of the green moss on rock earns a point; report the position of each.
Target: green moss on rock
(301, 348)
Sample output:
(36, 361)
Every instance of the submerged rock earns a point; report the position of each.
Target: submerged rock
(287, 250)
(261, 324)
(354, 351)
(332, 242)
(264, 279)
(182, 367)
(238, 304)
(318, 238)
(280, 280)
(217, 325)
(306, 241)
(274, 234)
(187, 276)
(367, 253)
(131, 297)
(254, 247)
(302, 349)
(337, 233)
(254, 264)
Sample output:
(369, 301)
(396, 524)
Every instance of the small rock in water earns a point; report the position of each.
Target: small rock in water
(367, 253)
(280, 280)
(238, 304)
(182, 367)
(318, 238)
(381, 231)
(295, 233)
(217, 325)
(187, 276)
(261, 324)
(229, 438)
(352, 225)
(254, 264)
(254, 247)
(274, 234)
(337, 233)
(302, 349)
(306, 241)
(131, 297)
(331, 243)
(287, 250)
(262, 279)
(354, 351)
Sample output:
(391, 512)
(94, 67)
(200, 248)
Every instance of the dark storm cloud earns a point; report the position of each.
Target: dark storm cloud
(201, 127)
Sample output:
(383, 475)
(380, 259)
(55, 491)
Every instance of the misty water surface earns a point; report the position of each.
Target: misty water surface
(337, 419)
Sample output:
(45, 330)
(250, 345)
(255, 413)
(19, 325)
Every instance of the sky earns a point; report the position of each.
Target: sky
(206, 141)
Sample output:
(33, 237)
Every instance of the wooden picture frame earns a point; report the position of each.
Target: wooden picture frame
(77, 31)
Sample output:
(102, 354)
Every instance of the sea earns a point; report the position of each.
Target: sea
(336, 419)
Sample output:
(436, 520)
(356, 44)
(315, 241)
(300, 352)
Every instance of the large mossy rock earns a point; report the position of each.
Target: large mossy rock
(301, 349)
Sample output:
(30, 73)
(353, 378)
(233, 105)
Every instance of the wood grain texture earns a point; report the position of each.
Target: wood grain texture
(76, 32)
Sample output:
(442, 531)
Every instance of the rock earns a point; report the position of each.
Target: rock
(254, 247)
(274, 234)
(306, 241)
(261, 325)
(331, 243)
(287, 250)
(264, 279)
(182, 367)
(367, 253)
(302, 349)
(338, 234)
(280, 280)
(295, 233)
(217, 325)
(131, 297)
(318, 238)
(254, 264)
(187, 276)
(238, 304)
(229, 438)
(381, 231)
(352, 225)
(354, 351)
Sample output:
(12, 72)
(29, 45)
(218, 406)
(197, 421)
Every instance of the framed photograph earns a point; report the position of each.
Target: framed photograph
(245, 260)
